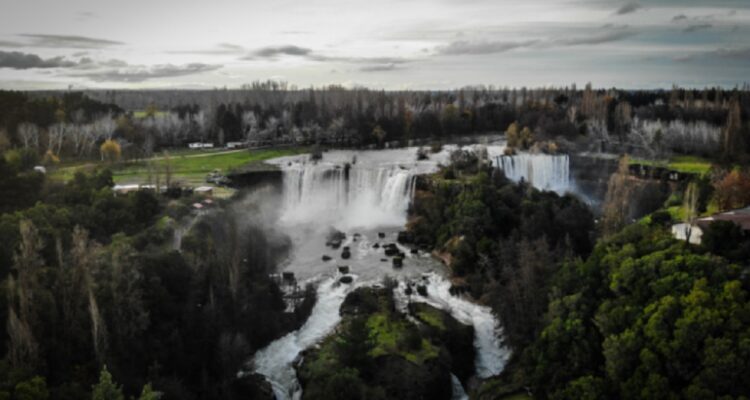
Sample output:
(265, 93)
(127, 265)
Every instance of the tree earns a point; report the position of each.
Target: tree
(110, 150)
(733, 191)
(32, 389)
(732, 141)
(106, 389)
(23, 292)
(379, 134)
(148, 393)
(615, 208)
(355, 344)
(29, 134)
(512, 135)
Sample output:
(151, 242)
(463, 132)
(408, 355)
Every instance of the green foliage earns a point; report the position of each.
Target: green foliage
(32, 389)
(503, 238)
(644, 317)
(106, 389)
(148, 393)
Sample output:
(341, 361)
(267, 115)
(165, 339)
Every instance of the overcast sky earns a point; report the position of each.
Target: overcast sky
(391, 44)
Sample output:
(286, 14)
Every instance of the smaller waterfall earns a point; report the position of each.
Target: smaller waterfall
(543, 171)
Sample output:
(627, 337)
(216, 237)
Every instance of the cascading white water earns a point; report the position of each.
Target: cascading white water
(543, 171)
(491, 354)
(274, 361)
(370, 197)
(352, 195)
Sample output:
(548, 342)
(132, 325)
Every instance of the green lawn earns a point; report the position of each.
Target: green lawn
(189, 167)
(687, 164)
(140, 114)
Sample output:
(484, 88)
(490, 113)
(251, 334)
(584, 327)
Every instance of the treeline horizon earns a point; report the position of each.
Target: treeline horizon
(649, 123)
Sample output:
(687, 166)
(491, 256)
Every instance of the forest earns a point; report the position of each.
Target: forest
(651, 124)
(99, 301)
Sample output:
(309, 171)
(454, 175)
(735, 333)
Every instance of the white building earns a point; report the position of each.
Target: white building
(200, 145)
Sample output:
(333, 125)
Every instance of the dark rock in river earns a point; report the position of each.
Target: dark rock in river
(415, 251)
(398, 262)
(422, 290)
(346, 279)
(346, 254)
(390, 249)
(376, 246)
(326, 258)
(367, 300)
(252, 386)
(404, 237)
(383, 260)
(381, 235)
(335, 238)
(344, 269)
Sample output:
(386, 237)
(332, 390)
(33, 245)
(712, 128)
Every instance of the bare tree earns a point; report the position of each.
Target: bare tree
(29, 134)
(56, 137)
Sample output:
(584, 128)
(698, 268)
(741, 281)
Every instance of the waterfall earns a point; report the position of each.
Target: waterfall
(366, 193)
(346, 194)
(543, 171)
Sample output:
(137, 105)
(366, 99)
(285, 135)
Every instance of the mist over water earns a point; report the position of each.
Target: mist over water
(366, 195)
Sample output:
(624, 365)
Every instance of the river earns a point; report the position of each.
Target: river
(366, 195)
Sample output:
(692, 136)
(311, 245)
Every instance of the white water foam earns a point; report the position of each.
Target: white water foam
(275, 360)
(543, 171)
(491, 355)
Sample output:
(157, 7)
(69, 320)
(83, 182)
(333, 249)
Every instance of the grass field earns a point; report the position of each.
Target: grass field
(688, 164)
(142, 114)
(188, 167)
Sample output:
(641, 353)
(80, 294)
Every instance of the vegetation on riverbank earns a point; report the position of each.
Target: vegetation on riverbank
(92, 279)
(642, 316)
(377, 353)
(504, 239)
(688, 164)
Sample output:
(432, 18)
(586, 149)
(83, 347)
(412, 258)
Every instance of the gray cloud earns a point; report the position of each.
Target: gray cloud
(18, 60)
(275, 51)
(379, 67)
(68, 41)
(628, 8)
(375, 63)
(737, 53)
(697, 27)
(482, 47)
(597, 38)
(360, 60)
(219, 49)
(609, 33)
(141, 73)
(5, 43)
(740, 54)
